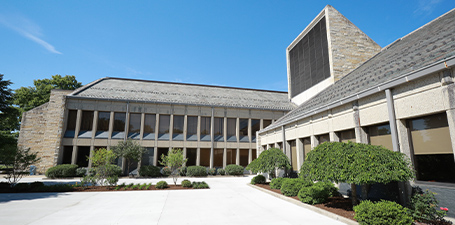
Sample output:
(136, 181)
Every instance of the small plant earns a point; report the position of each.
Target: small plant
(200, 185)
(148, 186)
(233, 169)
(292, 186)
(161, 185)
(130, 185)
(142, 186)
(424, 206)
(135, 187)
(276, 183)
(149, 171)
(259, 179)
(383, 212)
(196, 171)
(182, 170)
(166, 171)
(117, 188)
(211, 171)
(186, 183)
(221, 171)
(317, 193)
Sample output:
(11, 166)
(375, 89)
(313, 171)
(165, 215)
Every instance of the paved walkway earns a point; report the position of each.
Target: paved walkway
(229, 201)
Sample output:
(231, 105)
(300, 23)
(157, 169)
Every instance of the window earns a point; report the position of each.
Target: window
(293, 146)
(218, 126)
(149, 123)
(165, 122)
(103, 121)
(119, 125)
(83, 152)
(67, 154)
(380, 135)
(191, 155)
(87, 121)
(243, 127)
(255, 126)
(231, 156)
(162, 151)
(306, 146)
(135, 123)
(148, 156)
(231, 129)
(191, 125)
(218, 157)
(266, 123)
(347, 135)
(253, 156)
(323, 138)
(205, 125)
(71, 120)
(205, 157)
(178, 124)
(243, 157)
(433, 154)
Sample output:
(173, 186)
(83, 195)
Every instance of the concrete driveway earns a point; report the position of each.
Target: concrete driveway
(228, 201)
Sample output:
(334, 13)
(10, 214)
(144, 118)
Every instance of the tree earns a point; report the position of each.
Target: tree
(18, 160)
(269, 161)
(357, 164)
(8, 116)
(130, 150)
(104, 172)
(173, 160)
(30, 97)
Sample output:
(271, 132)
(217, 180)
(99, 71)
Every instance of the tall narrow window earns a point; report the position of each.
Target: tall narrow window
(231, 156)
(231, 129)
(177, 132)
(191, 155)
(149, 126)
(243, 157)
(243, 130)
(306, 146)
(218, 157)
(163, 127)
(255, 127)
(119, 125)
(147, 157)
(205, 128)
(71, 123)
(433, 154)
(293, 146)
(103, 124)
(204, 157)
(380, 135)
(86, 124)
(218, 129)
(134, 128)
(191, 128)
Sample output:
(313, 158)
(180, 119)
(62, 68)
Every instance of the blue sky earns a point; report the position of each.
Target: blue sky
(230, 43)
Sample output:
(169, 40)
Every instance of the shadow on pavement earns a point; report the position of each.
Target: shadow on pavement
(7, 197)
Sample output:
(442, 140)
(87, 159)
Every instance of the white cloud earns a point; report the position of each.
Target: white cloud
(426, 6)
(28, 29)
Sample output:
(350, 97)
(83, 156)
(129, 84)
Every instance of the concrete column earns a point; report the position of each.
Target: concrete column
(250, 155)
(212, 136)
(74, 155)
(155, 152)
(224, 157)
(237, 157)
(225, 129)
(283, 132)
(141, 134)
(448, 92)
(92, 148)
(249, 131)
(237, 130)
(392, 120)
(111, 127)
(92, 142)
(76, 134)
(185, 127)
(334, 137)
(288, 150)
(184, 154)
(261, 125)
(314, 141)
(360, 134)
(198, 128)
(198, 156)
(451, 122)
(171, 128)
(300, 151)
(127, 121)
(403, 138)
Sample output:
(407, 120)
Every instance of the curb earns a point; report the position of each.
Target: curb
(306, 206)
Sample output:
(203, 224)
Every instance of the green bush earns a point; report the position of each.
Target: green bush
(81, 171)
(276, 182)
(62, 171)
(182, 171)
(424, 206)
(186, 183)
(166, 171)
(221, 171)
(55, 188)
(292, 186)
(383, 212)
(36, 184)
(149, 171)
(21, 187)
(161, 185)
(200, 185)
(196, 171)
(233, 169)
(259, 179)
(211, 171)
(317, 193)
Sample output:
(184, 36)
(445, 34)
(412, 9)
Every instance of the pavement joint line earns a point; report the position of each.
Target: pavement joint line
(306, 206)
(162, 209)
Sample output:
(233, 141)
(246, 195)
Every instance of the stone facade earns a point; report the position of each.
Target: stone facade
(41, 129)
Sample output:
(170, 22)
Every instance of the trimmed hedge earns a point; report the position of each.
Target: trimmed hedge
(317, 193)
(161, 185)
(233, 169)
(200, 185)
(212, 171)
(383, 212)
(186, 183)
(221, 171)
(259, 179)
(149, 171)
(62, 171)
(292, 186)
(196, 171)
(276, 183)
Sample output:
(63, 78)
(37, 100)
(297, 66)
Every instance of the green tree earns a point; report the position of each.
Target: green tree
(103, 171)
(130, 150)
(173, 160)
(30, 97)
(357, 164)
(8, 116)
(269, 161)
(19, 160)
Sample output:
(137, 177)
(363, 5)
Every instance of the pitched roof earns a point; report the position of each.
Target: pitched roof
(181, 93)
(431, 43)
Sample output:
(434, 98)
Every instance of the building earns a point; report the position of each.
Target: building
(215, 126)
(402, 97)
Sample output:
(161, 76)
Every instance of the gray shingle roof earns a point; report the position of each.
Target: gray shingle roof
(186, 94)
(431, 43)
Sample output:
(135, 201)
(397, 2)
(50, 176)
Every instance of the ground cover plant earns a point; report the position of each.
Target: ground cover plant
(221, 171)
(187, 183)
(269, 161)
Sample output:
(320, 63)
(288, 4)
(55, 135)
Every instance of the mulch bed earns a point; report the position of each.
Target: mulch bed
(338, 205)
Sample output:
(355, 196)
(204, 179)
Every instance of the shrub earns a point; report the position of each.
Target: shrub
(196, 171)
(62, 171)
(317, 193)
(36, 184)
(5, 185)
(259, 179)
(233, 169)
(292, 186)
(424, 206)
(186, 183)
(81, 171)
(269, 161)
(221, 171)
(149, 171)
(211, 171)
(20, 187)
(56, 188)
(161, 185)
(276, 183)
(200, 185)
(383, 212)
(182, 171)
(166, 171)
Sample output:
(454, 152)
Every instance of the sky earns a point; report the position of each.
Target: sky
(237, 43)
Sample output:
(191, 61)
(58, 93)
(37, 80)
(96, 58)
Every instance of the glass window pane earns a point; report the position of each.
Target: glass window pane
(178, 124)
(119, 121)
(82, 153)
(191, 125)
(67, 154)
(191, 154)
(293, 146)
(147, 157)
(135, 123)
(205, 125)
(71, 120)
(231, 156)
(218, 126)
(306, 146)
(161, 151)
(218, 157)
(205, 157)
(231, 125)
(149, 123)
(253, 154)
(165, 122)
(243, 157)
(103, 121)
(380, 135)
(266, 123)
(87, 121)
(243, 127)
(347, 135)
(255, 126)
(323, 138)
